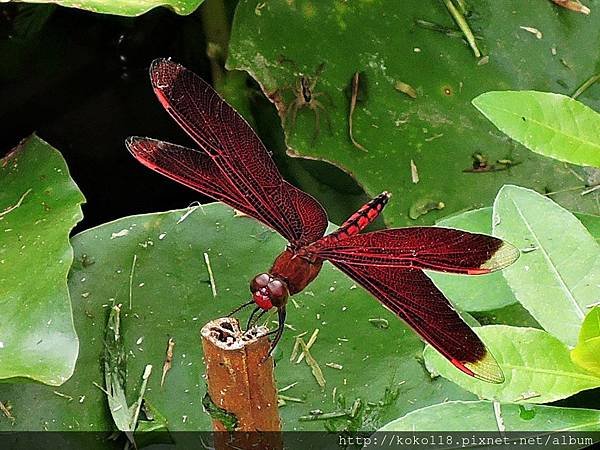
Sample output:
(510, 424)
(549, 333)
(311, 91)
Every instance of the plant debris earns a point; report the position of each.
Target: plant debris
(424, 206)
(60, 394)
(309, 344)
(211, 277)
(414, 174)
(6, 411)
(573, 5)
(168, 361)
(358, 416)
(481, 164)
(358, 94)
(312, 363)
(537, 33)
(458, 16)
(288, 387)
(405, 88)
(335, 366)
(131, 280)
(190, 209)
(290, 399)
(427, 25)
(16, 205)
(586, 85)
(380, 323)
(115, 360)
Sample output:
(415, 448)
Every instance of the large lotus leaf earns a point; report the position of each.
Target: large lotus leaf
(126, 7)
(439, 130)
(170, 295)
(536, 365)
(39, 205)
(480, 416)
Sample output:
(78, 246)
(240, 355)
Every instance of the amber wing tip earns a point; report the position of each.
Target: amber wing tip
(486, 369)
(503, 257)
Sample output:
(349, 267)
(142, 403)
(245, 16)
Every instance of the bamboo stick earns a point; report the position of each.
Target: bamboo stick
(241, 386)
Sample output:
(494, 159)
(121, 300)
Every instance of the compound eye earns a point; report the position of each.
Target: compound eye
(278, 291)
(259, 282)
(276, 287)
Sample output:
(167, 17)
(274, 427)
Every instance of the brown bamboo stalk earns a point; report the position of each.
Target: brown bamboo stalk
(242, 384)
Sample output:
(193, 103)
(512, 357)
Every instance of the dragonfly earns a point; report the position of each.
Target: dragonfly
(233, 166)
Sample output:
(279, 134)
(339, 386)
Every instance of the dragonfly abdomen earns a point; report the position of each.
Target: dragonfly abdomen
(362, 218)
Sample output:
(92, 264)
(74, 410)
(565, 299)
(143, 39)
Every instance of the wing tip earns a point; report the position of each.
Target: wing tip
(133, 144)
(158, 62)
(486, 369)
(163, 72)
(503, 257)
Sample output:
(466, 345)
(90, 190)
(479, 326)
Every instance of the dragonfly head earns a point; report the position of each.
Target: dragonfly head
(269, 291)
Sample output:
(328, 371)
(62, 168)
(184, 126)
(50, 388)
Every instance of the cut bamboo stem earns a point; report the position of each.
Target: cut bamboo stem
(241, 385)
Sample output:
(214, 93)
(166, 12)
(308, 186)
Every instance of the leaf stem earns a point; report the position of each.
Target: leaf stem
(462, 23)
(585, 85)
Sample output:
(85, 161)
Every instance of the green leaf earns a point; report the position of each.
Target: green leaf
(553, 125)
(476, 293)
(559, 277)
(536, 365)
(39, 205)
(479, 416)
(488, 292)
(171, 297)
(127, 7)
(587, 351)
(592, 223)
(439, 130)
(514, 315)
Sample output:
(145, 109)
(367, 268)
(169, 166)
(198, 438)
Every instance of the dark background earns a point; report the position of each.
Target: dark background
(80, 81)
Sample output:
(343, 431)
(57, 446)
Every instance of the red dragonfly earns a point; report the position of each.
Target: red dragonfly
(234, 167)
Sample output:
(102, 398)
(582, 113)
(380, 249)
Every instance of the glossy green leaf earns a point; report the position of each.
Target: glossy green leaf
(536, 365)
(480, 416)
(553, 125)
(587, 351)
(170, 296)
(475, 293)
(126, 7)
(39, 205)
(559, 274)
(439, 130)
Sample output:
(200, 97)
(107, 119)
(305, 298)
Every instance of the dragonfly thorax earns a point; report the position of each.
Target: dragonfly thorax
(269, 291)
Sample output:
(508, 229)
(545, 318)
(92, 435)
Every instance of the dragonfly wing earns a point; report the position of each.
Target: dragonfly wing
(238, 152)
(431, 248)
(190, 167)
(411, 295)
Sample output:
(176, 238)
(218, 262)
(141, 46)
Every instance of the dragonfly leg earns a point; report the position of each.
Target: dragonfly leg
(256, 319)
(254, 311)
(279, 331)
(240, 307)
